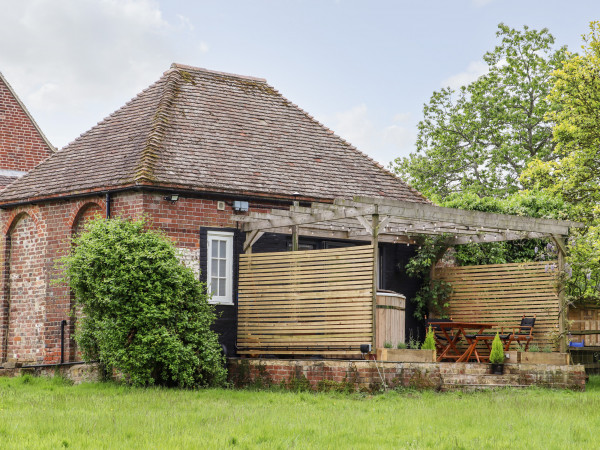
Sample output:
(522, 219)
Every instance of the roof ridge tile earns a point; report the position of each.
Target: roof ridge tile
(216, 72)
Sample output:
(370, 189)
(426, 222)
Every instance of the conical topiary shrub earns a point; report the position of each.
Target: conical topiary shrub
(497, 355)
(429, 343)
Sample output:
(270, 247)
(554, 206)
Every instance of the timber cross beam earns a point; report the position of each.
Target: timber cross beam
(400, 221)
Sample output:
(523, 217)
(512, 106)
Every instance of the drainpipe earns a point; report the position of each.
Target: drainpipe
(62, 341)
(107, 201)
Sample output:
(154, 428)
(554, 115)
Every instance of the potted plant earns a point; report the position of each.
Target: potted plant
(536, 355)
(497, 356)
(411, 352)
(429, 343)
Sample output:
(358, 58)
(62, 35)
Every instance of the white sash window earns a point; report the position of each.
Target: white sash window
(220, 266)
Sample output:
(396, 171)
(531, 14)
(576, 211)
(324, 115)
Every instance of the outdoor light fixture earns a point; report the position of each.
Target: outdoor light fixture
(172, 198)
(240, 206)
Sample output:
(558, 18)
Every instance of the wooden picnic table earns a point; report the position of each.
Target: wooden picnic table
(452, 333)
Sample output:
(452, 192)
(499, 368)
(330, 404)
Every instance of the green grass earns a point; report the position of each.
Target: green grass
(42, 413)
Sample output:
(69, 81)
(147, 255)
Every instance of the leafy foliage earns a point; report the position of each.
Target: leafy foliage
(582, 270)
(576, 92)
(480, 138)
(144, 313)
(497, 353)
(575, 177)
(433, 294)
(524, 203)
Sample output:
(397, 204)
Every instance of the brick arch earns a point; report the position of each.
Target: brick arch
(82, 212)
(17, 215)
(24, 302)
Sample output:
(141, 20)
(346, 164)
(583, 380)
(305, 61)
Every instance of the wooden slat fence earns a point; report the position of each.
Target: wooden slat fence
(305, 302)
(501, 293)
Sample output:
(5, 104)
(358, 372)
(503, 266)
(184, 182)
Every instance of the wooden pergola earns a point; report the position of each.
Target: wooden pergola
(395, 221)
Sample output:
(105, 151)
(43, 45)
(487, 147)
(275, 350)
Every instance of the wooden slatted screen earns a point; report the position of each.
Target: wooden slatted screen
(502, 293)
(305, 302)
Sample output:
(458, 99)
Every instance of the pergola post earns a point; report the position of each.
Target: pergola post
(295, 233)
(563, 310)
(375, 244)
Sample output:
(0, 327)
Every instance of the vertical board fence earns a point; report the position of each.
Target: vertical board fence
(501, 294)
(306, 302)
(585, 324)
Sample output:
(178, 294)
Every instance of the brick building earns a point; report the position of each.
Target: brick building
(181, 153)
(22, 144)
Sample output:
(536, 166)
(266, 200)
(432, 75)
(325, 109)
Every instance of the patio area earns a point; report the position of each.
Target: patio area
(326, 303)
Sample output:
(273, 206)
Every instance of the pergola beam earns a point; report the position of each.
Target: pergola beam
(493, 237)
(427, 212)
(350, 219)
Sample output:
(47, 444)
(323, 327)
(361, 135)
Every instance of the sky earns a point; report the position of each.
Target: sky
(363, 68)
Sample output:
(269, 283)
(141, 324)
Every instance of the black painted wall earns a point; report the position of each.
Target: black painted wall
(226, 323)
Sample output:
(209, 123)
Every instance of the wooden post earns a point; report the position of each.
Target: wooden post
(295, 233)
(295, 238)
(563, 311)
(375, 243)
(251, 238)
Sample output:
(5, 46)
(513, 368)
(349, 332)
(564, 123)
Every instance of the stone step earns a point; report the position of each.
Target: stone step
(465, 368)
(480, 379)
(479, 387)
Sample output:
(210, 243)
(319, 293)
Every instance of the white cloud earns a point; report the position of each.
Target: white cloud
(382, 140)
(73, 58)
(185, 22)
(480, 3)
(203, 47)
(474, 70)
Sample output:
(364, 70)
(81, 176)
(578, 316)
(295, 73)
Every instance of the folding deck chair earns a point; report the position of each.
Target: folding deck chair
(522, 333)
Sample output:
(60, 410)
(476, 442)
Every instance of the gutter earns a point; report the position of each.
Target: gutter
(186, 192)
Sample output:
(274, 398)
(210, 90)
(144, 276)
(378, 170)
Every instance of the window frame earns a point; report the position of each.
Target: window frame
(228, 237)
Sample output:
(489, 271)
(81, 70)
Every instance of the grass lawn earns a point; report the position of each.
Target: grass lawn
(42, 413)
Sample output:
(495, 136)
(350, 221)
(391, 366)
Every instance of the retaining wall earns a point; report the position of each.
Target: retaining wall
(370, 375)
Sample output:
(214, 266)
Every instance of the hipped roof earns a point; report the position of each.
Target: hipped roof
(208, 131)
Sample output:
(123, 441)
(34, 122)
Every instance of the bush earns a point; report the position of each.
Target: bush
(144, 313)
(497, 353)
(429, 343)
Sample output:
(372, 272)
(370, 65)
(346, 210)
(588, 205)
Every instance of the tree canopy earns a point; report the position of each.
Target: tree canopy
(480, 138)
(143, 312)
(575, 176)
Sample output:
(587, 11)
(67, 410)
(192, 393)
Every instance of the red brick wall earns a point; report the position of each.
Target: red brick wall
(26, 286)
(57, 221)
(21, 146)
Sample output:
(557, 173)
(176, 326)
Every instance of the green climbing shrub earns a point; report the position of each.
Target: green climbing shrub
(144, 313)
(497, 353)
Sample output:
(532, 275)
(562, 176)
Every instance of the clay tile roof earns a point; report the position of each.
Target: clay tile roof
(210, 131)
(5, 180)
